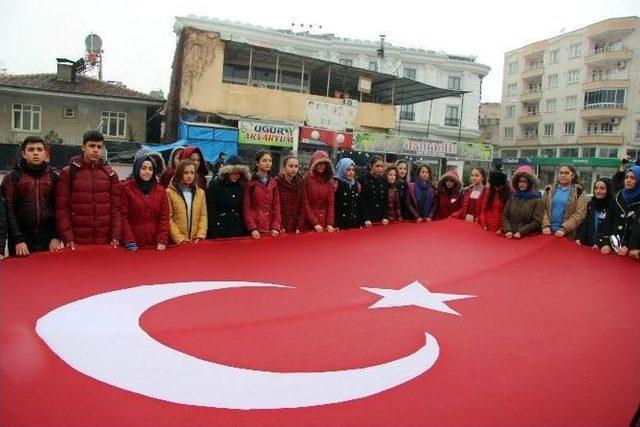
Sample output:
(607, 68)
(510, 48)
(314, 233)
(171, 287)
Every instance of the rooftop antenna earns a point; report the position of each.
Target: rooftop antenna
(93, 45)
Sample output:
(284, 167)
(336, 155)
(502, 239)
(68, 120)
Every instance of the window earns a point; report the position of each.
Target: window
(451, 116)
(69, 112)
(114, 124)
(568, 152)
(552, 80)
(569, 128)
(373, 65)
(604, 98)
(600, 74)
(638, 130)
(454, 83)
(573, 76)
(548, 129)
(531, 109)
(550, 105)
(348, 62)
(554, 56)
(26, 117)
(575, 50)
(588, 151)
(512, 89)
(513, 67)
(570, 102)
(410, 73)
(599, 128)
(535, 87)
(611, 153)
(531, 132)
(509, 153)
(406, 112)
(548, 152)
(508, 133)
(530, 152)
(510, 111)
(633, 153)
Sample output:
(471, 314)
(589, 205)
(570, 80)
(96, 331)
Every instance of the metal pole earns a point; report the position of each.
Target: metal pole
(429, 120)
(250, 67)
(393, 92)
(328, 81)
(302, 78)
(277, 66)
(460, 126)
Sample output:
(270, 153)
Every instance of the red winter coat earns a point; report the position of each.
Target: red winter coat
(291, 203)
(261, 206)
(492, 217)
(445, 207)
(319, 192)
(145, 217)
(88, 203)
(464, 210)
(202, 172)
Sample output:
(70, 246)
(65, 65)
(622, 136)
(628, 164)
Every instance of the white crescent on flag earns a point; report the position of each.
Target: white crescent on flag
(100, 336)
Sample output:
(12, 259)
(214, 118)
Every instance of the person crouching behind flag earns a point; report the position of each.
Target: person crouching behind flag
(319, 193)
(145, 208)
(493, 207)
(374, 193)
(565, 204)
(261, 199)
(348, 203)
(449, 196)
(290, 189)
(474, 196)
(187, 206)
(591, 231)
(421, 196)
(224, 199)
(522, 214)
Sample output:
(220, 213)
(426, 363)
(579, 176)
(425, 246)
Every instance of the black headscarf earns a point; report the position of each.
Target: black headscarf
(601, 204)
(145, 186)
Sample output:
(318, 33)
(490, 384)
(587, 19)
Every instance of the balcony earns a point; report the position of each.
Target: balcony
(611, 28)
(605, 83)
(534, 94)
(615, 138)
(534, 49)
(532, 72)
(607, 54)
(528, 140)
(529, 118)
(603, 110)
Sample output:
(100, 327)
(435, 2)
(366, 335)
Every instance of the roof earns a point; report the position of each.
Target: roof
(82, 86)
(385, 88)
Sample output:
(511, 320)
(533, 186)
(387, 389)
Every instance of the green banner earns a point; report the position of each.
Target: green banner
(475, 151)
(576, 161)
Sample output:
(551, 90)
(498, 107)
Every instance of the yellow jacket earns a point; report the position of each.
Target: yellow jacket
(178, 224)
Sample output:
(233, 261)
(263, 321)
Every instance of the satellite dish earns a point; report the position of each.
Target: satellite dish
(93, 43)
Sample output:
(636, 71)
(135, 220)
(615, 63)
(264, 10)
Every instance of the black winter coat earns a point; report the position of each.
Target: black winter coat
(586, 232)
(224, 209)
(3, 225)
(30, 205)
(348, 205)
(621, 218)
(374, 193)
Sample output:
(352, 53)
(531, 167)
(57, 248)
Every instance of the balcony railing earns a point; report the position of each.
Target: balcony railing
(531, 113)
(407, 115)
(603, 49)
(600, 132)
(534, 67)
(599, 105)
(534, 90)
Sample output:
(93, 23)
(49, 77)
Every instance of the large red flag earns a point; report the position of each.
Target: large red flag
(413, 324)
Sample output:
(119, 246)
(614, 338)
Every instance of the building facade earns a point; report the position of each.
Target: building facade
(489, 122)
(574, 98)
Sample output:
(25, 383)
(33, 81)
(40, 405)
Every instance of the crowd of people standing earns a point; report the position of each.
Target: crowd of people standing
(85, 202)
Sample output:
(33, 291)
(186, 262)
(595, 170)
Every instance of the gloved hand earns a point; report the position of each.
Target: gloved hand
(131, 246)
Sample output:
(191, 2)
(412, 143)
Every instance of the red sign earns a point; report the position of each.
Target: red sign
(330, 138)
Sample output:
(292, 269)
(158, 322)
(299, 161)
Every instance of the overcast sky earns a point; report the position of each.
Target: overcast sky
(139, 42)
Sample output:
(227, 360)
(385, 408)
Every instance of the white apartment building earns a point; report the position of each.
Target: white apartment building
(574, 98)
(444, 119)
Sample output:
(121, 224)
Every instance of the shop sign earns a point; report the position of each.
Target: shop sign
(329, 138)
(382, 143)
(332, 116)
(263, 133)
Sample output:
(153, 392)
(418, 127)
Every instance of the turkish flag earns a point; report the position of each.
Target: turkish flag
(410, 324)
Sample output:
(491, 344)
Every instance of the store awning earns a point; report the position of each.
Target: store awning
(327, 76)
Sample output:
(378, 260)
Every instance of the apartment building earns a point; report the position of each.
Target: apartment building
(574, 98)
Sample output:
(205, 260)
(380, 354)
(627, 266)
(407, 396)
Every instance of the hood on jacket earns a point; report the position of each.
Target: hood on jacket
(174, 153)
(157, 158)
(321, 157)
(527, 172)
(234, 164)
(188, 151)
(452, 175)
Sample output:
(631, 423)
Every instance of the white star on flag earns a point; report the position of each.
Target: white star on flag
(415, 293)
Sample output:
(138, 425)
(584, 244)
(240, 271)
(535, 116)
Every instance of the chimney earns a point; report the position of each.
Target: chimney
(66, 70)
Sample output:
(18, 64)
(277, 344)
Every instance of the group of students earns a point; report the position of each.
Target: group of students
(86, 203)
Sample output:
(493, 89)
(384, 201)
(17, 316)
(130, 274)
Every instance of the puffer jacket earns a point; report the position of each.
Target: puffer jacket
(574, 212)
(180, 229)
(261, 206)
(145, 217)
(291, 202)
(225, 202)
(522, 216)
(88, 203)
(30, 203)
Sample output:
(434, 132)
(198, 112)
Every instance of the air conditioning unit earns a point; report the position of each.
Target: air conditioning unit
(621, 65)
